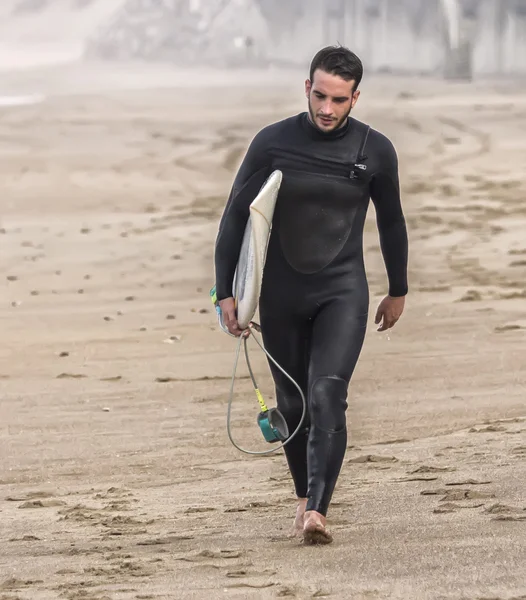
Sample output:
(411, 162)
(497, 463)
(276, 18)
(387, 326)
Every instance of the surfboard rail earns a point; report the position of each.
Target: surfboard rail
(248, 276)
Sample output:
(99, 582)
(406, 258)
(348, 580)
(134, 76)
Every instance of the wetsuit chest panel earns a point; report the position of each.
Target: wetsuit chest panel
(314, 217)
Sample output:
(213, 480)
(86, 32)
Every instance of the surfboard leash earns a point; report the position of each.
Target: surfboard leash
(270, 420)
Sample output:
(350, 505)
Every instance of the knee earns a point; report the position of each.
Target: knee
(328, 403)
(290, 405)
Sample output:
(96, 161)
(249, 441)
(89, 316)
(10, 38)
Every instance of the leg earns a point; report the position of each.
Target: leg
(338, 335)
(286, 339)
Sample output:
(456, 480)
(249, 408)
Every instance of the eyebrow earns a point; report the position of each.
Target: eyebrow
(342, 98)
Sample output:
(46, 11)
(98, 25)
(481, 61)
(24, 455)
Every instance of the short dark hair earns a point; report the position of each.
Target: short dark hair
(338, 60)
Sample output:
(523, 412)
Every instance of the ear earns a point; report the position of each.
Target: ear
(308, 87)
(355, 97)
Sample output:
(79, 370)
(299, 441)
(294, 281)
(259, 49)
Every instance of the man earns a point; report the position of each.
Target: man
(314, 298)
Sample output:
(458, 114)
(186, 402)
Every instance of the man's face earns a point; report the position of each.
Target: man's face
(331, 99)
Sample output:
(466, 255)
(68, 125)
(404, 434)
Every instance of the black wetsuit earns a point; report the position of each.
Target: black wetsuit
(315, 298)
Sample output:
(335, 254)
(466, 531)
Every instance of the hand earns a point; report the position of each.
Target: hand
(228, 308)
(390, 309)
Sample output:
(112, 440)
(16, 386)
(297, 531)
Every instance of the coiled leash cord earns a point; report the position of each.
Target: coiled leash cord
(270, 421)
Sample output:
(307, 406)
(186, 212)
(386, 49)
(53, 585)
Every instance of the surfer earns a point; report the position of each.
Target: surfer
(314, 297)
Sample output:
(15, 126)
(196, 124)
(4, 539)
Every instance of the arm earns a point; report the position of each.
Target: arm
(247, 183)
(385, 194)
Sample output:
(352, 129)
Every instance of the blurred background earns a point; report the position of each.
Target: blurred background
(456, 38)
(122, 124)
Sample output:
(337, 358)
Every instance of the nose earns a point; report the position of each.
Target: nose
(326, 108)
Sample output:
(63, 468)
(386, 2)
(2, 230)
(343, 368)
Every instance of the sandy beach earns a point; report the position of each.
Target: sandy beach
(117, 478)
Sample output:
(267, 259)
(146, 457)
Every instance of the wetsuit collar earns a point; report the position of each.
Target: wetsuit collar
(316, 133)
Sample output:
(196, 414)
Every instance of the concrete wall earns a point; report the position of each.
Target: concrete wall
(408, 35)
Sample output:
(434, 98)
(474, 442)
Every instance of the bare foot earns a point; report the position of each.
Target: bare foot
(297, 528)
(314, 530)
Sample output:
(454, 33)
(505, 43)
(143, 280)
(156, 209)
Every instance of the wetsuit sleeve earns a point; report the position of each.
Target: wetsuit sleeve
(251, 175)
(385, 194)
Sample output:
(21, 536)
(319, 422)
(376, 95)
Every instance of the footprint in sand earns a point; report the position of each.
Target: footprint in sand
(471, 296)
(114, 491)
(118, 506)
(469, 482)
(28, 496)
(256, 586)
(510, 327)
(388, 442)
(214, 554)
(449, 495)
(416, 478)
(15, 584)
(26, 538)
(80, 513)
(511, 517)
(123, 570)
(170, 539)
(450, 507)
(42, 504)
(124, 521)
(287, 592)
(296, 591)
(199, 509)
(466, 495)
(240, 573)
(431, 469)
(488, 429)
(373, 458)
(65, 572)
(77, 591)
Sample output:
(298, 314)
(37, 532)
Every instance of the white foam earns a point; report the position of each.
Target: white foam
(21, 100)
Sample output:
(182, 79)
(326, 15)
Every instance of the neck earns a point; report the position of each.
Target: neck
(311, 126)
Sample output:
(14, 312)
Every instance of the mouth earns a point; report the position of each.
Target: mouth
(326, 120)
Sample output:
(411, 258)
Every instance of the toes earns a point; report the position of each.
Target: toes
(316, 534)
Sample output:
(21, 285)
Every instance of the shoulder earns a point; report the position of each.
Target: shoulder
(379, 150)
(376, 143)
(277, 129)
(380, 147)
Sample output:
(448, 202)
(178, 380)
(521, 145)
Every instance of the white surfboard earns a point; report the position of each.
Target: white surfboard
(249, 271)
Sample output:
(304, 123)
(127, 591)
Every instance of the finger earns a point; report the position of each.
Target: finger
(235, 331)
(233, 327)
(378, 316)
(231, 324)
(389, 323)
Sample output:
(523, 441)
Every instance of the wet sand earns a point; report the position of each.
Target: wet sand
(117, 478)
